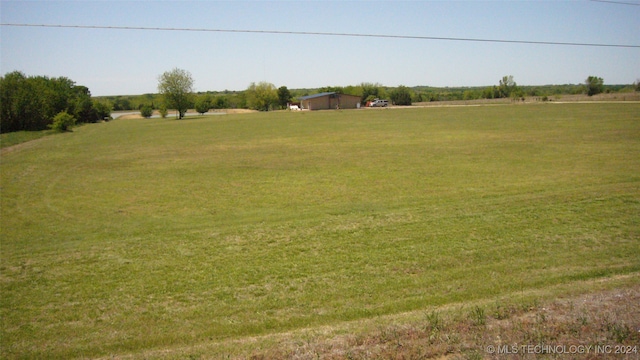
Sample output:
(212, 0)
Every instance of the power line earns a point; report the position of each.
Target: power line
(616, 2)
(277, 32)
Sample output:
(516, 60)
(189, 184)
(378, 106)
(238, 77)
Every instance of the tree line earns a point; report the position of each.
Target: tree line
(401, 95)
(39, 102)
(34, 102)
(265, 96)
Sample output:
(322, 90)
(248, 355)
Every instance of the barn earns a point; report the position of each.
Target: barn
(329, 100)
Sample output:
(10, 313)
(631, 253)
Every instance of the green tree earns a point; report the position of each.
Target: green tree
(121, 103)
(31, 102)
(369, 98)
(595, 85)
(401, 95)
(102, 109)
(261, 96)
(60, 94)
(82, 105)
(238, 100)
(63, 122)
(163, 111)
(370, 91)
(203, 104)
(146, 111)
(176, 86)
(491, 92)
(335, 89)
(11, 95)
(284, 96)
(221, 102)
(351, 90)
(507, 86)
(471, 94)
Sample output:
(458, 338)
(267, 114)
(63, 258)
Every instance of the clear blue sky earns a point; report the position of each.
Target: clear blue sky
(119, 62)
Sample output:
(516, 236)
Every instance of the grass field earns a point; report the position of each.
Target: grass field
(160, 235)
(18, 137)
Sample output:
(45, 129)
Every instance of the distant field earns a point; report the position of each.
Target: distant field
(166, 236)
(604, 97)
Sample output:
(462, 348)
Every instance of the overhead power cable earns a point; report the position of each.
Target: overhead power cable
(278, 32)
(617, 2)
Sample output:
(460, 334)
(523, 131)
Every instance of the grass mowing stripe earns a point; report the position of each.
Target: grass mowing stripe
(18, 137)
(141, 234)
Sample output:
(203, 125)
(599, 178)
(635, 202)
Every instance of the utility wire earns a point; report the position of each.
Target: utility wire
(616, 2)
(277, 32)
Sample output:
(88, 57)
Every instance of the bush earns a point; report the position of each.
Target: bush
(401, 96)
(203, 104)
(594, 85)
(163, 111)
(63, 122)
(102, 110)
(146, 111)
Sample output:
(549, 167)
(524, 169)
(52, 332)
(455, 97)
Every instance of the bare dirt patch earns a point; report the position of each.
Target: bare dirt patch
(130, 116)
(238, 111)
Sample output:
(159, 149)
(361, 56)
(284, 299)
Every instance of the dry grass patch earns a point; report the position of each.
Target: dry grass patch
(594, 323)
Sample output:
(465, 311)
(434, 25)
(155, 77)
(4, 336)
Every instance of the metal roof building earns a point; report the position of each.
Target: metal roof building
(329, 100)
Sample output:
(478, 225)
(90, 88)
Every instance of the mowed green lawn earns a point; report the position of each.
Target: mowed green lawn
(139, 235)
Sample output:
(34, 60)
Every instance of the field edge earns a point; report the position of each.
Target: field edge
(386, 334)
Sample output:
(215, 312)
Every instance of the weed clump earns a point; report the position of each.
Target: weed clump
(477, 316)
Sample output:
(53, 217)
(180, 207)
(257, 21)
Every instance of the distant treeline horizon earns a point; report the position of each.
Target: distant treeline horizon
(423, 93)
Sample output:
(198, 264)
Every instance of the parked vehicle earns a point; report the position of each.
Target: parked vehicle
(379, 103)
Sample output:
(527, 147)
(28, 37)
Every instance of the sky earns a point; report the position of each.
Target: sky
(129, 62)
